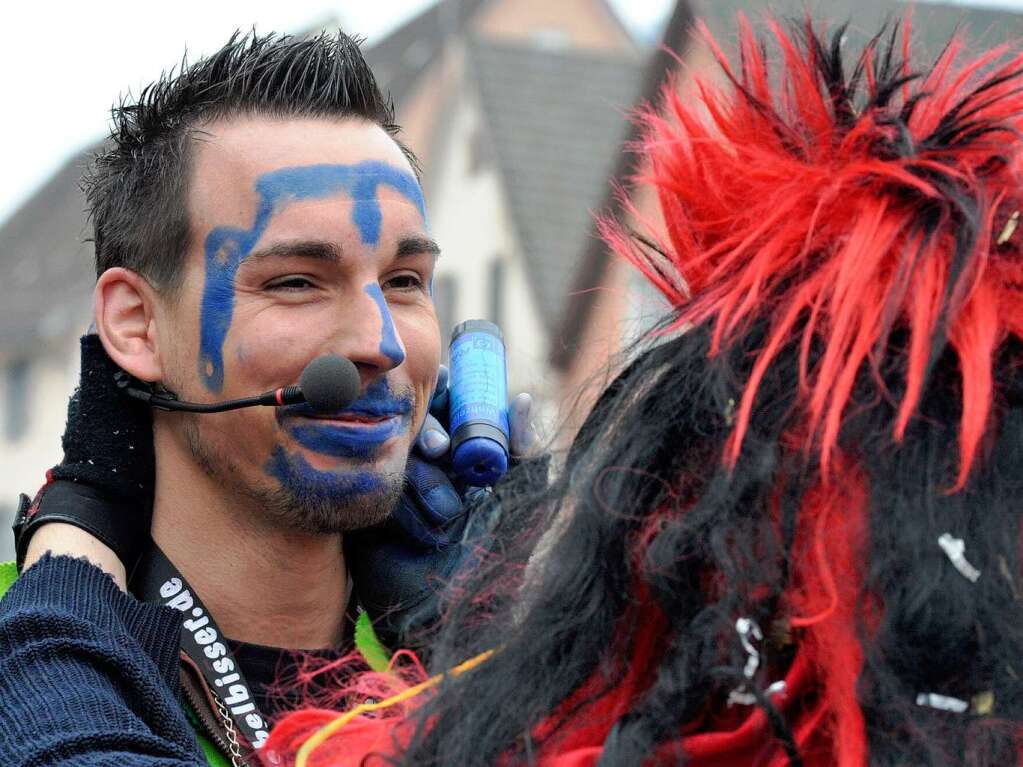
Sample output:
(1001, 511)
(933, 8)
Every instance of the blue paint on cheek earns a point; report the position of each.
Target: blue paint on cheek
(304, 482)
(224, 250)
(390, 345)
(226, 247)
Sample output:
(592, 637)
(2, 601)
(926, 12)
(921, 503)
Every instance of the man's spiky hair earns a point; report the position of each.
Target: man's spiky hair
(136, 189)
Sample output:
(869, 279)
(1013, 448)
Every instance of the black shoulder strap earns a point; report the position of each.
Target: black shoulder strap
(157, 580)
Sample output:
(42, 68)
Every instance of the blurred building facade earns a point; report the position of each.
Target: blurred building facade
(47, 303)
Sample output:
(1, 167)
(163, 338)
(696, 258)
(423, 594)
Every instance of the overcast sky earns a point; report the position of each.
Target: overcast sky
(63, 64)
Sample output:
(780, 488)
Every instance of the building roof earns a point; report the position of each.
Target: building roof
(933, 26)
(402, 56)
(555, 120)
(47, 264)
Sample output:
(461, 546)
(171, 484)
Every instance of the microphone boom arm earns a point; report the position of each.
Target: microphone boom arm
(168, 401)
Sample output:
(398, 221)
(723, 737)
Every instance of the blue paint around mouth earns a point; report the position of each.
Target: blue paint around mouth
(390, 346)
(377, 401)
(226, 247)
(350, 442)
(346, 442)
(304, 482)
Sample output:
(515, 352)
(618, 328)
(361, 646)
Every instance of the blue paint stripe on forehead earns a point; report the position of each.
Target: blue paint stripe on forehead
(227, 247)
(361, 182)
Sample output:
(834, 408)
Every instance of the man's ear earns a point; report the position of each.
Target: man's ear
(125, 320)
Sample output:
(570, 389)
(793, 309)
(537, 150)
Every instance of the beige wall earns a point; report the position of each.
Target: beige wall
(52, 376)
(469, 218)
(468, 213)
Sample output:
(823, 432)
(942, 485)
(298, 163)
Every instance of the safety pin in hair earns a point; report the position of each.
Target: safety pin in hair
(955, 549)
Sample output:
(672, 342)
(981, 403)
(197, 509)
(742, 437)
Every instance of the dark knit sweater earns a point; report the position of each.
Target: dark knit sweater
(88, 674)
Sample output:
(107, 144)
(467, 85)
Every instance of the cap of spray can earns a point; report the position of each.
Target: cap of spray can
(479, 403)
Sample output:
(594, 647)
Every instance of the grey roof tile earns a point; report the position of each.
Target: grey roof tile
(555, 120)
(47, 264)
(402, 56)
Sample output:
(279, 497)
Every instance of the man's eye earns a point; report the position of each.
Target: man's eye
(404, 282)
(290, 283)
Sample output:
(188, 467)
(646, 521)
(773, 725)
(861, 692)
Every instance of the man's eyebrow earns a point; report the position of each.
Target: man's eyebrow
(321, 250)
(414, 246)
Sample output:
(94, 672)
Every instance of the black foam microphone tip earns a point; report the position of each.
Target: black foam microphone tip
(330, 383)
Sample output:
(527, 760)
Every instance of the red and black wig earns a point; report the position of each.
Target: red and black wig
(840, 389)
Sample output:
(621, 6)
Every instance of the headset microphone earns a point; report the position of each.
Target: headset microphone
(328, 384)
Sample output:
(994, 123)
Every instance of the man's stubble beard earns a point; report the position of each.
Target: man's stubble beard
(291, 508)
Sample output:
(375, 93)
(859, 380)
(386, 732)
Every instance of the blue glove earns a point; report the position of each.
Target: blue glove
(401, 565)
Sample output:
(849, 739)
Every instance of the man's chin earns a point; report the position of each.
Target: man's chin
(298, 495)
(378, 463)
(335, 500)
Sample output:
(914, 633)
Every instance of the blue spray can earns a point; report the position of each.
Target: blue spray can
(479, 403)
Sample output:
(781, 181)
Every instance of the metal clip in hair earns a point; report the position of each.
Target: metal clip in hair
(954, 548)
(749, 632)
(982, 703)
(746, 628)
(730, 412)
(942, 702)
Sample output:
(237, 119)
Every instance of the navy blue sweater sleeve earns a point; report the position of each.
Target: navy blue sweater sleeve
(88, 674)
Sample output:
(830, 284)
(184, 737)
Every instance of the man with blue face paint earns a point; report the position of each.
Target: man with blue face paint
(329, 257)
(254, 212)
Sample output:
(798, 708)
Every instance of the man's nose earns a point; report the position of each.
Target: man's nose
(367, 333)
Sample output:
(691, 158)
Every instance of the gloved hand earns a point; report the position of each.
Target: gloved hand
(104, 485)
(400, 566)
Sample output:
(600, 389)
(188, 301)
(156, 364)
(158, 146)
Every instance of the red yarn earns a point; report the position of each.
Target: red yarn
(328, 687)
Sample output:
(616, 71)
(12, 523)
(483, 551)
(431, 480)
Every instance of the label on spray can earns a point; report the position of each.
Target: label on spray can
(479, 403)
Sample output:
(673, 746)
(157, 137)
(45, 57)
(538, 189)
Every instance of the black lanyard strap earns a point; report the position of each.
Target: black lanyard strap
(157, 580)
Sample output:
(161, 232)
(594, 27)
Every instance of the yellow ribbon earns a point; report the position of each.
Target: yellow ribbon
(318, 737)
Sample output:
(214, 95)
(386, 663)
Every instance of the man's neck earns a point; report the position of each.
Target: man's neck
(262, 585)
